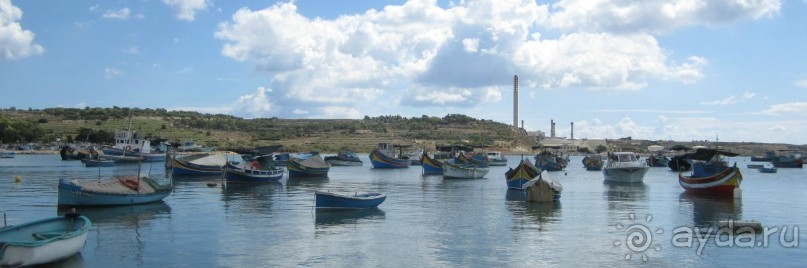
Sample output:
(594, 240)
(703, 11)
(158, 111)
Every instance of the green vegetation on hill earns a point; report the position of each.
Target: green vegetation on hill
(328, 135)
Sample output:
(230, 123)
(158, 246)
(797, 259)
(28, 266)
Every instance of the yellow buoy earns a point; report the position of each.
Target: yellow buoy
(17, 179)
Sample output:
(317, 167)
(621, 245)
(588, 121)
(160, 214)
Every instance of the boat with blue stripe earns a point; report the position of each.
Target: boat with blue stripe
(328, 200)
(430, 165)
(384, 157)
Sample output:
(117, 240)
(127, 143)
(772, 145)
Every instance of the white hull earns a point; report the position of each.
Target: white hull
(57, 250)
(624, 174)
(464, 173)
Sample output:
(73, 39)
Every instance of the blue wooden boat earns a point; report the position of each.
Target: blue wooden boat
(384, 157)
(328, 200)
(198, 165)
(43, 241)
(111, 191)
(462, 167)
(430, 165)
(524, 172)
(261, 169)
(550, 161)
(593, 162)
(768, 168)
(312, 166)
(7, 154)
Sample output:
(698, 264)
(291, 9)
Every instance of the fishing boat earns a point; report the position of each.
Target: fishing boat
(282, 159)
(344, 158)
(524, 172)
(123, 158)
(658, 160)
(70, 152)
(768, 168)
(415, 157)
(681, 161)
(260, 169)
(328, 200)
(550, 161)
(496, 158)
(111, 191)
(307, 166)
(788, 159)
(198, 165)
(384, 157)
(461, 168)
(711, 175)
(543, 188)
(43, 241)
(593, 162)
(624, 167)
(130, 146)
(431, 165)
(768, 157)
(7, 154)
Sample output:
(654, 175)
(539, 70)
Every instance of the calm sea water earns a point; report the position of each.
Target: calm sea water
(426, 221)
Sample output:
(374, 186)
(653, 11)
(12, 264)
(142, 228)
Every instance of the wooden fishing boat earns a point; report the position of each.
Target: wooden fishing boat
(431, 165)
(98, 162)
(624, 167)
(767, 168)
(344, 158)
(496, 158)
(311, 166)
(111, 191)
(198, 165)
(328, 200)
(550, 161)
(711, 175)
(461, 168)
(524, 172)
(43, 241)
(384, 157)
(788, 159)
(593, 162)
(543, 188)
(261, 169)
(681, 161)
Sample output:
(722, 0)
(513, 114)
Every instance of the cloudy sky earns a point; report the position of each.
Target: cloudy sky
(673, 70)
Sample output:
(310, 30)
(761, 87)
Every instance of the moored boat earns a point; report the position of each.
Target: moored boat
(328, 200)
(496, 158)
(111, 191)
(593, 162)
(384, 157)
(7, 154)
(130, 143)
(344, 158)
(43, 241)
(768, 168)
(97, 162)
(461, 168)
(711, 175)
(431, 165)
(198, 165)
(658, 160)
(680, 162)
(524, 172)
(788, 159)
(543, 188)
(310, 166)
(260, 169)
(624, 167)
(550, 161)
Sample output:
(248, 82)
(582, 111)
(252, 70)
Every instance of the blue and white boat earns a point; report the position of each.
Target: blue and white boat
(130, 143)
(43, 241)
(384, 157)
(309, 166)
(496, 158)
(550, 161)
(768, 168)
(328, 200)
(431, 165)
(463, 167)
(260, 169)
(7, 154)
(524, 172)
(97, 162)
(198, 165)
(111, 191)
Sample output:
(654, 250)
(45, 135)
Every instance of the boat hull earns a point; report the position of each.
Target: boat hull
(183, 168)
(722, 184)
(799, 163)
(235, 174)
(327, 200)
(97, 163)
(463, 172)
(379, 160)
(22, 249)
(74, 195)
(625, 174)
(297, 170)
(431, 166)
(343, 163)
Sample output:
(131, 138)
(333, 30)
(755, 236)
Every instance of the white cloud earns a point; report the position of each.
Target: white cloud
(256, 104)
(492, 94)
(186, 9)
(726, 101)
(471, 44)
(800, 83)
(132, 50)
(110, 72)
(15, 42)
(95, 7)
(341, 112)
(787, 108)
(121, 14)
(749, 95)
(655, 16)
(299, 111)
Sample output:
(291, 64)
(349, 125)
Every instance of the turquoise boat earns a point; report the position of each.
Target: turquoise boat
(111, 192)
(328, 200)
(43, 241)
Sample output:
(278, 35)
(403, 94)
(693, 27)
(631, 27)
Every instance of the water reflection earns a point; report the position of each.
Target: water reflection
(310, 182)
(121, 215)
(324, 217)
(531, 215)
(709, 210)
(76, 261)
(625, 196)
(250, 197)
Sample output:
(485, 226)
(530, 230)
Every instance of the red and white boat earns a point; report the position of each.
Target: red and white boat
(711, 175)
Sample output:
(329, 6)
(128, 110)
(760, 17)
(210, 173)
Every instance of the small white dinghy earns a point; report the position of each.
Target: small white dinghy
(43, 241)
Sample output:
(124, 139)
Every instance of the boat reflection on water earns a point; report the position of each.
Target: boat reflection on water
(250, 197)
(306, 182)
(325, 217)
(121, 214)
(707, 211)
(531, 215)
(622, 196)
(76, 261)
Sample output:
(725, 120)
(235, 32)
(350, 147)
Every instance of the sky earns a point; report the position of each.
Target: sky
(682, 70)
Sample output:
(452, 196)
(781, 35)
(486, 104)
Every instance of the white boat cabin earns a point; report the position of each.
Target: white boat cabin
(131, 141)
